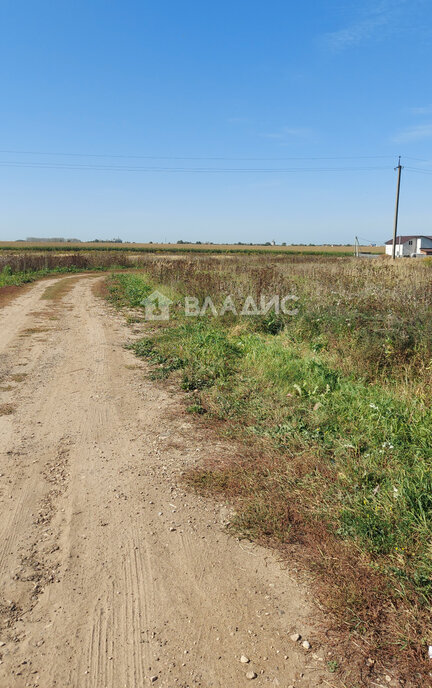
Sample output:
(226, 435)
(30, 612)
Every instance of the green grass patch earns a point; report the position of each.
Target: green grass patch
(376, 450)
(9, 278)
(331, 453)
(128, 290)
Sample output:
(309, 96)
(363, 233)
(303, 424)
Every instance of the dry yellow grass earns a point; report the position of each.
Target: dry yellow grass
(16, 245)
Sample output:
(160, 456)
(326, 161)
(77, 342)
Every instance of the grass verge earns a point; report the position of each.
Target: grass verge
(335, 465)
(17, 279)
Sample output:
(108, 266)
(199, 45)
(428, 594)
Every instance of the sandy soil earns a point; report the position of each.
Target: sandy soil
(111, 575)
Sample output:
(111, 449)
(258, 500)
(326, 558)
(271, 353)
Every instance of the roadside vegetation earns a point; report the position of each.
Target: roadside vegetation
(17, 269)
(329, 411)
(17, 279)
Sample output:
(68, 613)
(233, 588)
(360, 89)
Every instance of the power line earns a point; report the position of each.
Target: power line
(123, 168)
(409, 157)
(419, 170)
(368, 241)
(171, 157)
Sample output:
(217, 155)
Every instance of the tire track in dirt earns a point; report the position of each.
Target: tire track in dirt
(15, 315)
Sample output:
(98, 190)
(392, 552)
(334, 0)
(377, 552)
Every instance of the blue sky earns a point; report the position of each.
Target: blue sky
(251, 89)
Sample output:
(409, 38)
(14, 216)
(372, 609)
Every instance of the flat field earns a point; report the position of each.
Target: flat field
(315, 440)
(155, 247)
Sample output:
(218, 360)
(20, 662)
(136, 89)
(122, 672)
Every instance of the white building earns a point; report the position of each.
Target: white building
(411, 245)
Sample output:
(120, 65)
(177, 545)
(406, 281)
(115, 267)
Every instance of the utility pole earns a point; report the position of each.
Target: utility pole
(399, 168)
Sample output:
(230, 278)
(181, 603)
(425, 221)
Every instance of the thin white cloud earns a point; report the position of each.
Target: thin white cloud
(377, 19)
(238, 120)
(426, 110)
(355, 34)
(287, 133)
(415, 133)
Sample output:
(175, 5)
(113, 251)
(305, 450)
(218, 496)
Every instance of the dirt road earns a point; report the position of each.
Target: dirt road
(111, 575)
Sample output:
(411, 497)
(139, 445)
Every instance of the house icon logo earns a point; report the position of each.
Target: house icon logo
(157, 306)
